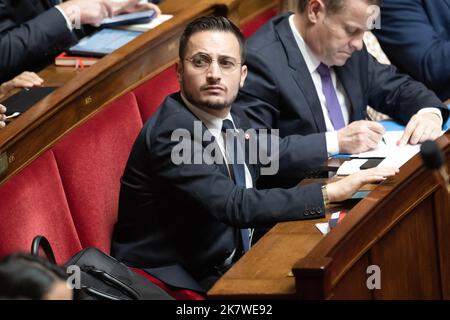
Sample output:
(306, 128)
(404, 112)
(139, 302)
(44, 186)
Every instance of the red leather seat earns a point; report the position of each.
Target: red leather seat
(91, 160)
(34, 203)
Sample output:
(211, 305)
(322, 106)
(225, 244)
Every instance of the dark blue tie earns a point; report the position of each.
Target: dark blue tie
(238, 167)
(54, 2)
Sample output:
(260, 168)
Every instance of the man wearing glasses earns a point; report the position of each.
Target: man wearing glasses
(186, 222)
(310, 74)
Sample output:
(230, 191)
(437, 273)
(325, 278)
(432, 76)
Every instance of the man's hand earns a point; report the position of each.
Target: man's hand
(2, 116)
(24, 80)
(360, 136)
(129, 6)
(345, 188)
(87, 11)
(421, 127)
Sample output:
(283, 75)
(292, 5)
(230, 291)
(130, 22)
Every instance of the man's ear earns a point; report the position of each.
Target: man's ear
(179, 72)
(314, 9)
(244, 72)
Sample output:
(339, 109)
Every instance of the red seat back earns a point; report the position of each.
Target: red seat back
(33, 203)
(91, 161)
(152, 93)
(254, 24)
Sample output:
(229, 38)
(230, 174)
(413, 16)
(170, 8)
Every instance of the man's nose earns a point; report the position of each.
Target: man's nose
(357, 42)
(214, 71)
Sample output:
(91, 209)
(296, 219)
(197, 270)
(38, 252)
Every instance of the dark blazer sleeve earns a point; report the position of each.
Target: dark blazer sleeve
(409, 39)
(396, 94)
(31, 41)
(260, 99)
(218, 195)
(297, 156)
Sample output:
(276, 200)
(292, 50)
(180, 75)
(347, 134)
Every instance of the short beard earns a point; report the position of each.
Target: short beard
(208, 105)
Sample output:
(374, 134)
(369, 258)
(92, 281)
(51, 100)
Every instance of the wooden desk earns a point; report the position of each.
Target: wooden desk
(82, 94)
(402, 226)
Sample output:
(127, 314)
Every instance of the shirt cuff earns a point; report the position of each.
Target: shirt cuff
(436, 111)
(332, 142)
(68, 22)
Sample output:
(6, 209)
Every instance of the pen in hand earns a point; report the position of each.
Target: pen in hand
(371, 119)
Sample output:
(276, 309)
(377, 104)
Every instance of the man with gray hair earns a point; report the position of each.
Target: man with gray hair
(310, 74)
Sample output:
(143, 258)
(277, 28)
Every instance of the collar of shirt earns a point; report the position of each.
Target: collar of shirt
(213, 123)
(312, 62)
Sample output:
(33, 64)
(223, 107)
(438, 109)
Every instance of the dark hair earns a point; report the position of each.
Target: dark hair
(332, 6)
(211, 23)
(25, 276)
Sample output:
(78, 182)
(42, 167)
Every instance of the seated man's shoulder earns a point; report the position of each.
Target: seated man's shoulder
(172, 115)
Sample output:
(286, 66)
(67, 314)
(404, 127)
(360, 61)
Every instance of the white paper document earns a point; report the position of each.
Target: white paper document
(394, 155)
(142, 27)
(324, 227)
(349, 167)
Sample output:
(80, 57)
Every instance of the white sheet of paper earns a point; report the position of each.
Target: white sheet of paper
(349, 167)
(394, 155)
(324, 228)
(142, 27)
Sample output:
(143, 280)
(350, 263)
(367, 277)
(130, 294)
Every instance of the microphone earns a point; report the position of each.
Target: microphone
(434, 159)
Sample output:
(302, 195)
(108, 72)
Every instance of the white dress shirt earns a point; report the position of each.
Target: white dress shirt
(214, 125)
(312, 62)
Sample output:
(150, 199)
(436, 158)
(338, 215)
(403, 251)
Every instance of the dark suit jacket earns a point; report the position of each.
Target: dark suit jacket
(279, 91)
(31, 34)
(179, 222)
(415, 35)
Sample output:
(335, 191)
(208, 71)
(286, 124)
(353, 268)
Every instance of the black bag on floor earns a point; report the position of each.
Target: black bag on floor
(103, 277)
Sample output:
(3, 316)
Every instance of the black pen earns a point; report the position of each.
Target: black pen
(370, 119)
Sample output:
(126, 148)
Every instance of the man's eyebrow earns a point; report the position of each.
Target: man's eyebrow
(356, 26)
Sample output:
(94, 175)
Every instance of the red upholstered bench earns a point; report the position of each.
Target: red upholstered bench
(249, 27)
(70, 193)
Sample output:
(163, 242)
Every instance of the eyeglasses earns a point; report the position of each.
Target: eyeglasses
(202, 62)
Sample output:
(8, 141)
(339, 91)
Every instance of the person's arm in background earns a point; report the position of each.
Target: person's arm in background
(409, 39)
(50, 32)
(127, 6)
(32, 41)
(406, 100)
(24, 80)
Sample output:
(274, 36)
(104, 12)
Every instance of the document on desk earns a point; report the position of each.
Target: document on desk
(393, 154)
(143, 27)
